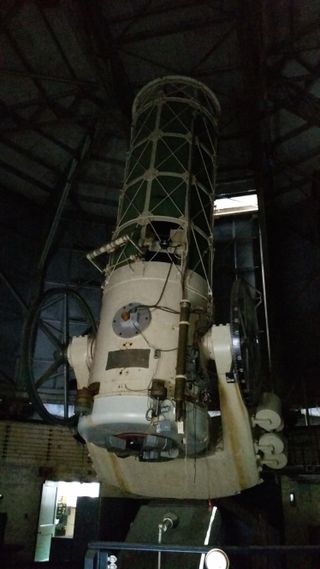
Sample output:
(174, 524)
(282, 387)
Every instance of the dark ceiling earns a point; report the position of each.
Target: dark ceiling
(70, 70)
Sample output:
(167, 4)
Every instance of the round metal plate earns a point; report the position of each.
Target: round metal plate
(131, 319)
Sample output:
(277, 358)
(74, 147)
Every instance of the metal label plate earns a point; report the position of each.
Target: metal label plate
(128, 358)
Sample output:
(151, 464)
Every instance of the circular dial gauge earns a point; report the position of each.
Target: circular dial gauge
(131, 319)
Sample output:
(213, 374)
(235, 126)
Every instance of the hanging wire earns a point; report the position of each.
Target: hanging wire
(201, 260)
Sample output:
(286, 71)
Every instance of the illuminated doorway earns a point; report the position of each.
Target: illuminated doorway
(57, 512)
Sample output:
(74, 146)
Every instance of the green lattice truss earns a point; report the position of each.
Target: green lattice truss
(166, 204)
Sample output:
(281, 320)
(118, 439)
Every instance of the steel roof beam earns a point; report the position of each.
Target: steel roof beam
(107, 160)
(166, 68)
(108, 47)
(26, 125)
(98, 200)
(14, 292)
(297, 185)
(53, 78)
(24, 176)
(26, 153)
(110, 187)
(297, 161)
(83, 121)
(15, 46)
(55, 40)
(87, 92)
(280, 48)
(165, 8)
(217, 43)
(251, 34)
(57, 109)
(30, 125)
(38, 102)
(290, 135)
(72, 172)
(5, 20)
(185, 27)
(298, 101)
(143, 11)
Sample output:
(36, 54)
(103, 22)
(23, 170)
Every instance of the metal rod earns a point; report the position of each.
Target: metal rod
(265, 302)
(37, 101)
(27, 124)
(164, 8)
(53, 78)
(65, 343)
(25, 152)
(62, 202)
(160, 532)
(182, 28)
(16, 295)
(250, 550)
(306, 404)
(11, 12)
(180, 381)
(235, 249)
(25, 176)
(24, 60)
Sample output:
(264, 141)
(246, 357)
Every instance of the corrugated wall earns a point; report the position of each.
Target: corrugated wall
(52, 449)
(30, 454)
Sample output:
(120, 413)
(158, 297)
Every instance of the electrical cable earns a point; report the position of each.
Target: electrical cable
(151, 345)
(163, 288)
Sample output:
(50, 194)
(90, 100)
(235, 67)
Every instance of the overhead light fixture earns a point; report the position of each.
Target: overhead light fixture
(216, 559)
(235, 205)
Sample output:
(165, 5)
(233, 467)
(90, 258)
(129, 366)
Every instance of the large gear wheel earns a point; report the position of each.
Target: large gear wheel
(245, 342)
(59, 314)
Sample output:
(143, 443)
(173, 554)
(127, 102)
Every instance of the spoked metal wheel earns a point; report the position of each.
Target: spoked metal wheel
(60, 314)
(245, 342)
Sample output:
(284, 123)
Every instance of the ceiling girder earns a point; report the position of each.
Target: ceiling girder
(5, 20)
(26, 153)
(86, 87)
(287, 47)
(53, 78)
(287, 94)
(37, 102)
(57, 109)
(250, 37)
(98, 30)
(164, 8)
(186, 26)
(56, 41)
(23, 123)
(143, 11)
(25, 176)
(290, 135)
(108, 160)
(166, 67)
(71, 174)
(99, 200)
(217, 43)
(20, 53)
(297, 185)
(297, 161)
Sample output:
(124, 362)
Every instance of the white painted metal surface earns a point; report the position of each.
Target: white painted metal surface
(123, 402)
(229, 466)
